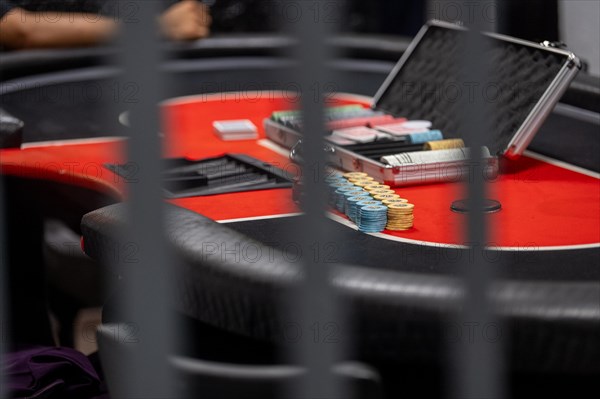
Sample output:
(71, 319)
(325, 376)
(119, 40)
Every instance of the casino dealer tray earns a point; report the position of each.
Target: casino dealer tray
(230, 173)
(397, 140)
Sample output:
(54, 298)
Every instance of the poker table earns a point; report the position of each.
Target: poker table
(544, 243)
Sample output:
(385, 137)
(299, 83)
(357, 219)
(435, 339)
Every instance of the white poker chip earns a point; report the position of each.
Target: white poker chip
(339, 140)
(359, 134)
(382, 135)
(416, 124)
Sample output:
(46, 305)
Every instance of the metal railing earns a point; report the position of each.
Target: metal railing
(473, 369)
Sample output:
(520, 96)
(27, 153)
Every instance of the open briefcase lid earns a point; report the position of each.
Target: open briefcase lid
(526, 81)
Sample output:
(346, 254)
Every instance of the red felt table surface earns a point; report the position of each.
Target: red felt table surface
(543, 204)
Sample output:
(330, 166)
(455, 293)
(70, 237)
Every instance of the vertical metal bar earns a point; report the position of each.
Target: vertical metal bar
(146, 285)
(315, 301)
(4, 328)
(479, 360)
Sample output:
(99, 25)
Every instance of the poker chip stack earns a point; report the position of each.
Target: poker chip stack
(333, 194)
(354, 175)
(372, 216)
(343, 194)
(392, 201)
(339, 199)
(399, 216)
(371, 205)
(384, 197)
(383, 191)
(376, 186)
(352, 204)
(359, 179)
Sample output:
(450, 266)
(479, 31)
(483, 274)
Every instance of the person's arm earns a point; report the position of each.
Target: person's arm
(21, 29)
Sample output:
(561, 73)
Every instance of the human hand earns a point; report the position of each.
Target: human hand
(186, 20)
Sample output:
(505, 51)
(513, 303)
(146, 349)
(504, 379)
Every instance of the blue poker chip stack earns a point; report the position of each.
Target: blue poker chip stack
(335, 179)
(341, 194)
(351, 192)
(372, 217)
(339, 200)
(352, 204)
(423, 137)
(333, 187)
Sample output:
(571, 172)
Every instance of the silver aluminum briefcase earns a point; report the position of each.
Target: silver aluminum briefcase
(527, 80)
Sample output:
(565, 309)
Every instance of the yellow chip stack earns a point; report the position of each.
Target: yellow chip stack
(376, 186)
(384, 197)
(381, 192)
(361, 183)
(360, 179)
(352, 175)
(400, 216)
(443, 144)
(396, 200)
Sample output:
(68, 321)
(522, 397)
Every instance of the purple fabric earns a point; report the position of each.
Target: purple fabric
(49, 372)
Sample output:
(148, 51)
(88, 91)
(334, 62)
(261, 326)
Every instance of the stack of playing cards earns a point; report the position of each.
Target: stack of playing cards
(242, 129)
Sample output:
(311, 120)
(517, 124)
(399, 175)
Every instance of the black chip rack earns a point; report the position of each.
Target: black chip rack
(229, 173)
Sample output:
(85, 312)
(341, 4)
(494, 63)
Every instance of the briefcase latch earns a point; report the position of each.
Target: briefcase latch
(556, 44)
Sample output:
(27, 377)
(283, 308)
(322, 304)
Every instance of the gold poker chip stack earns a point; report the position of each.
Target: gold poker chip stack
(360, 182)
(353, 175)
(361, 178)
(400, 216)
(391, 201)
(376, 186)
(381, 191)
(444, 144)
(383, 197)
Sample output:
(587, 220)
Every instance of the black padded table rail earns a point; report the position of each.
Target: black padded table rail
(348, 246)
(245, 296)
(18, 64)
(583, 92)
(80, 103)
